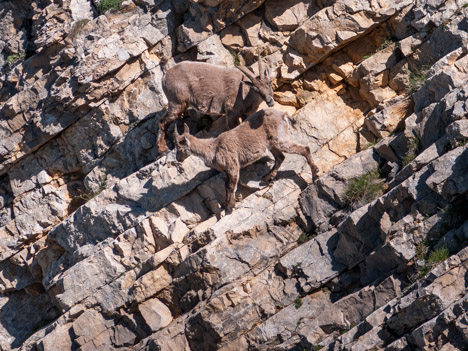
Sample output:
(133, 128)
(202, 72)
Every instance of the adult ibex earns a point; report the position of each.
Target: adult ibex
(243, 145)
(213, 90)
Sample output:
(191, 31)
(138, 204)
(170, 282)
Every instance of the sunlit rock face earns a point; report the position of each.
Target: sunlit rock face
(106, 244)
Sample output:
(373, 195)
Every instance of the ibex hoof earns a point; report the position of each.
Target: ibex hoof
(268, 178)
(228, 208)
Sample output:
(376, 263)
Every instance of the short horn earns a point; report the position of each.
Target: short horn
(247, 72)
(176, 132)
(186, 129)
(261, 66)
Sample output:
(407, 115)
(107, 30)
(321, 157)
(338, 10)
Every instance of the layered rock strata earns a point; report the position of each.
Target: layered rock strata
(107, 245)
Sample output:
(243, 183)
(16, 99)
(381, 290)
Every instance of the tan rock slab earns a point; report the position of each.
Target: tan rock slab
(155, 314)
(232, 37)
(286, 15)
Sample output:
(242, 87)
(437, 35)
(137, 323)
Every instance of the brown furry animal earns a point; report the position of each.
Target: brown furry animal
(213, 90)
(243, 145)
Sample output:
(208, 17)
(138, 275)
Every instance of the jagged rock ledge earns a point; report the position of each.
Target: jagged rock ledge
(99, 230)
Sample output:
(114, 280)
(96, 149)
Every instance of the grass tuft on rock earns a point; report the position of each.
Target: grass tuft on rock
(297, 303)
(416, 80)
(430, 258)
(305, 237)
(15, 57)
(365, 188)
(134, 124)
(385, 44)
(88, 196)
(438, 255)
(106, 5)
(414, 145)
(235, 57)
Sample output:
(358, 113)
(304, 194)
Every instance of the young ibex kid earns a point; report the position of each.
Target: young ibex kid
(243, 145)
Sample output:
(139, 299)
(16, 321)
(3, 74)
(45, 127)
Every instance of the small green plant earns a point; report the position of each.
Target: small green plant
(77, 27)
(421, 250)
(317, 347)
(430, 257)
(106, 5)
(92, 194)
(385, 44)
(371, 144)
(297, 303)
(414, 146)
(416, 80)
(462, 142)
(342, 331)
(365, 188)
(134, 124)
(438, 255)
(12, 58)
(235, 57)
(465, 6)
(15, 57)
(448, 147)
(304, 237)
(423, 270)
(445, 24)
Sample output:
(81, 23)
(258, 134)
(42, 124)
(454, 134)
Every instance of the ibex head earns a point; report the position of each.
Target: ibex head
(182, 143)
(262, 83)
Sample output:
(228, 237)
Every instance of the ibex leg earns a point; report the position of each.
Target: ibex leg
(279, 158)
(293, 148)
(232, 177)
(232, 121)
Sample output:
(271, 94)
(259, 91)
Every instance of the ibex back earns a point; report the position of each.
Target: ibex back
(243, 145)
(213, 90)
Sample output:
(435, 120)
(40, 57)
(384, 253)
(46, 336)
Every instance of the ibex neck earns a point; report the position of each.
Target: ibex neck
(253, 99)
(204, 148)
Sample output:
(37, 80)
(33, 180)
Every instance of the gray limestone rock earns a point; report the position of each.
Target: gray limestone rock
(106, 245)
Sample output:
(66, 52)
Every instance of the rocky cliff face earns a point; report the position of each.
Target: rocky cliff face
(107, 245)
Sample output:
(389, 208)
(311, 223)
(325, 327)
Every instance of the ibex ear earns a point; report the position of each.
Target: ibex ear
(186, 130)
(266, 73)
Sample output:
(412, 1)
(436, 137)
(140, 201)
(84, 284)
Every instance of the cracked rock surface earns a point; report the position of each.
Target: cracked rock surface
(107, 245)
